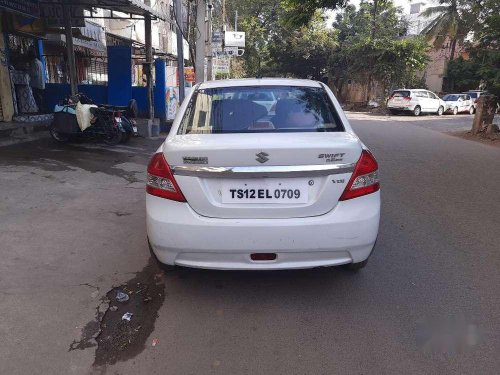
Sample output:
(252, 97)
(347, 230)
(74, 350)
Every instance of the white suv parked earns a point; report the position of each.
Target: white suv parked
(239, 186)
(415, 101)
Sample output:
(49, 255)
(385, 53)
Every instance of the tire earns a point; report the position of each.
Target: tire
(417, 111)
(440, 111)
(114, 138)
(126, 137)
(58, 137)
(354, 267)
(455, 111)
(471, 110)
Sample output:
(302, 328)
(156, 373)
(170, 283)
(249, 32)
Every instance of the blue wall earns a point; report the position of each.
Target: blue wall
(119, 75)
(140, 94)
(159, 99)
(119, 89)
(54, 92)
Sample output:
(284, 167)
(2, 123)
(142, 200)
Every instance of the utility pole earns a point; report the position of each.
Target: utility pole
(180, 50)
(199, 64)
(223, 15)
(70, 49)
(149, 61)
(236, 20)
(209, 42)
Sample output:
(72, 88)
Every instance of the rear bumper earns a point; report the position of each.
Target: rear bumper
(409, 107)
(179, 236)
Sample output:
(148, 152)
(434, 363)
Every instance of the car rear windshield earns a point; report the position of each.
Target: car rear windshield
(400, 94)
(260, 109)
(472, 94)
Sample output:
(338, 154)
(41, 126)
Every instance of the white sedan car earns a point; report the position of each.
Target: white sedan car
(236, 187)
(458, 103)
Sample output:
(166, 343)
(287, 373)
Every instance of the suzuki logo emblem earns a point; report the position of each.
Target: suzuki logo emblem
(262, 157)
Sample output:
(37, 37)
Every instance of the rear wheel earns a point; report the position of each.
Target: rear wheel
(126, 137)
(440, 111)
(58, 137)
(113, 137)
(417, 110)
(455, 111)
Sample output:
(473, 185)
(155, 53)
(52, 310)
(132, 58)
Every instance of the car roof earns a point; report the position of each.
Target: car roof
(259, 82)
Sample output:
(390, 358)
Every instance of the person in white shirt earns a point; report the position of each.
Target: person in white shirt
(37, 80)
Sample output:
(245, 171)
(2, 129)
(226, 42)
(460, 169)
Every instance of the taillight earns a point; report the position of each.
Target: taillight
(161, 181)
(407, 98)
(364, 179)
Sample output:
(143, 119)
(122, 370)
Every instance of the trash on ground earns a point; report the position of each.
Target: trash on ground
(113, 308)
(122, 297)
(127, 316)
(155, 342)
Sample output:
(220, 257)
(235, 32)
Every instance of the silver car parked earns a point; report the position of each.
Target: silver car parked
(474, 96)
(458, 103)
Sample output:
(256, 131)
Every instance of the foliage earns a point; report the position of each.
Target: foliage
(302, 53)
(300, 12)
(366, 43)
(259, 20)
(371, 45)
(464, 74)
(482, 68)
(447, 23)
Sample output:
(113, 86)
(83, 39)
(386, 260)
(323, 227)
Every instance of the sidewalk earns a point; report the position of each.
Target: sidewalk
(17, 132)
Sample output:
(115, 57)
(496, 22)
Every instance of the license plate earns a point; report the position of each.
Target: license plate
(134, 128)
(265, 191)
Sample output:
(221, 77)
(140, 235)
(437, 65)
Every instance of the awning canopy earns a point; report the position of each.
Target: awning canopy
(132, 7)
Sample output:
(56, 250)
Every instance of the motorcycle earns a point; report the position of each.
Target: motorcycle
(111, 124)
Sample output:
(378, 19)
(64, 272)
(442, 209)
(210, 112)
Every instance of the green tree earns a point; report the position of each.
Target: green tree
(260, 21)
(449, 20)
(303, 52)
(372, 46)
(301, 12)
(482, 68)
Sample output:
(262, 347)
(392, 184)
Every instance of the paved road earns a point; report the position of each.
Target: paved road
(444, 124)
(72, 222)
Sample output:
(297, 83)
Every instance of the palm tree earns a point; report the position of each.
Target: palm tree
(448, 22)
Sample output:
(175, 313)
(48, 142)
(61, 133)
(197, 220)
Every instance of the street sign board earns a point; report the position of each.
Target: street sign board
(217, 38)
(227, 52)
(53, 14)
(26, 7)
(189, 75)
(234, 39)
(221, 66)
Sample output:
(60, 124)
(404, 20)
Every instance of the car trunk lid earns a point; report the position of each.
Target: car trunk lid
(255, 175)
